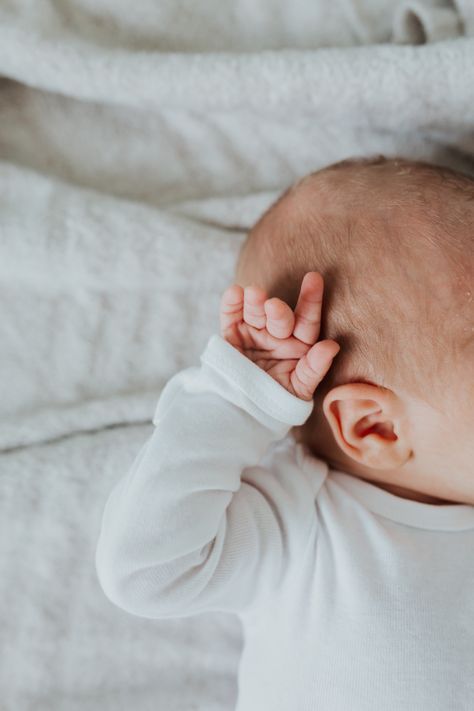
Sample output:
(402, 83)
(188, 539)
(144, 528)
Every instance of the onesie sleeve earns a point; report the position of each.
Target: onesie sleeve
(198, 524)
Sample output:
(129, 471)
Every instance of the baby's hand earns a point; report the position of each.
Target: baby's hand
(278, 340)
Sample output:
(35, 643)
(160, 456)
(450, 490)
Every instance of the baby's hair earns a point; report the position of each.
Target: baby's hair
(420, 175)
(394, 241)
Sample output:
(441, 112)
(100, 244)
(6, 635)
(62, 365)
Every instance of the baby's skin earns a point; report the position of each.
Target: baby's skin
(285, 344)
(392, 240)
(279, 340)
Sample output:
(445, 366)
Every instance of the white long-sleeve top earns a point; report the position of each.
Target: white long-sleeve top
(351, 598)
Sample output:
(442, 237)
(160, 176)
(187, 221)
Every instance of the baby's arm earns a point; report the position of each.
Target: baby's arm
(186, 530)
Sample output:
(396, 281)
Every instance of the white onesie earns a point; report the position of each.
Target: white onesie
(351, 598)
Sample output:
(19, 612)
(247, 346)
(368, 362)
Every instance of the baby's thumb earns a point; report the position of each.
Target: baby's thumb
(312, 368)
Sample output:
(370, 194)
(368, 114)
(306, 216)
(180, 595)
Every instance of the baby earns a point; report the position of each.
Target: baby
(325, 497)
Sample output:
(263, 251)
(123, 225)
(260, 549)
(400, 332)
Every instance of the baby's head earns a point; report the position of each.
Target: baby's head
(394, 241)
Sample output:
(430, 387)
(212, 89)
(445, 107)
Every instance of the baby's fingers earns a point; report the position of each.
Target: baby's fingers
(308, 308)
(312, 368)
(231, 314)
(280, 318)
(254, 312)
(232, 308)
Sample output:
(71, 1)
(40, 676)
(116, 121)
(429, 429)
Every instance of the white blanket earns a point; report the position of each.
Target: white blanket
(138, 142)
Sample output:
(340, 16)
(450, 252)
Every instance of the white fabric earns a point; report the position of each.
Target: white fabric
(350, 596)
(138, 142)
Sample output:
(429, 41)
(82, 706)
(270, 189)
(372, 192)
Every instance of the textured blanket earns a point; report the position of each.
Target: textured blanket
(138, 142)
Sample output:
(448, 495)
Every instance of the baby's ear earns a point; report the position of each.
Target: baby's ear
(368, 423)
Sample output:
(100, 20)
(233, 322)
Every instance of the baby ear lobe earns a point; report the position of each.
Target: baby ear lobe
(367, 424)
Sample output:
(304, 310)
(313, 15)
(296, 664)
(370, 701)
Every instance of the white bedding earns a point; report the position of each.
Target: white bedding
(138, 142)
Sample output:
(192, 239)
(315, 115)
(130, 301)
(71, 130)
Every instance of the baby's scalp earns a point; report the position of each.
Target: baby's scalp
(394, 241)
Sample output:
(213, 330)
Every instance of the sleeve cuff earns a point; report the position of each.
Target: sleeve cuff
(259, 387)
